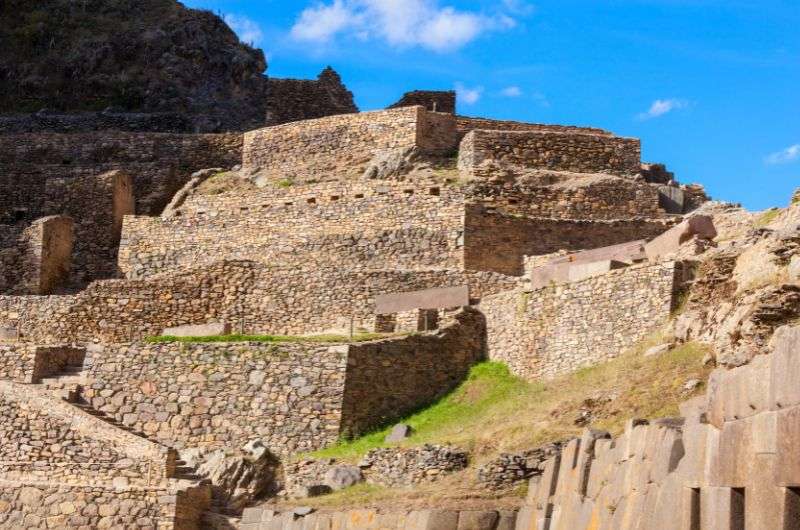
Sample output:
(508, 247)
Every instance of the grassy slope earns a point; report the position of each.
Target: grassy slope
(494, 412)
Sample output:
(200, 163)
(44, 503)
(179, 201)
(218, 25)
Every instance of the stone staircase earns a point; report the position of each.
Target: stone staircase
(67, 386)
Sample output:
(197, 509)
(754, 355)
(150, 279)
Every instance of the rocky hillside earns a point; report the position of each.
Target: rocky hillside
(147, 56)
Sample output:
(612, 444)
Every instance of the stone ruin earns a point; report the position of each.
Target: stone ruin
(546, 247)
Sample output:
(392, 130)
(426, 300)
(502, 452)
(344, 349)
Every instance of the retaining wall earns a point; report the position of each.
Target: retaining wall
(294, 397)
(366, 226)
(342, 145)
(496, 241)
(562, 151)
(556, 330)
(253, 297)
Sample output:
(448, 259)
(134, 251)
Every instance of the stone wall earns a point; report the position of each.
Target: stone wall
(556, 330)
(410, 372)
(495, 241)
(342, 146)
(730, 462)
(68, 174)
(466, 124)
(28, 363)
(44, 438)
(304, 99)
(593, 197)
(36, 259)
(43, 505)
(35, 164)
(223, 395)
(360, 226)
(294, 397)
(561, 151)
(47, 260)
(255, 298)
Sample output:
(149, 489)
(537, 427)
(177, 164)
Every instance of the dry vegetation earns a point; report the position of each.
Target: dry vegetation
(494, 412)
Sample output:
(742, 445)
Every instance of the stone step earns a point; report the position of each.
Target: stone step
(63, 380)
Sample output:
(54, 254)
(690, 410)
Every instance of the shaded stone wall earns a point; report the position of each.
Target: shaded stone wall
(160, 163)
(556, 330)
(28, 363)
(596, 197)
(561, 151)
(304, 99)
(36, 259)
(70, 174)
(412, 372)
(495, 241)
(729, 462)
(341, 146)
(255, 298)
(361, 226)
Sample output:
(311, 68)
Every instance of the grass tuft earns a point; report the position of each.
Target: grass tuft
(494, 411)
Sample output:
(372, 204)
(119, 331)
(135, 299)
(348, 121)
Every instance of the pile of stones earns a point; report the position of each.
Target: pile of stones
(394, 467)
(511, 469)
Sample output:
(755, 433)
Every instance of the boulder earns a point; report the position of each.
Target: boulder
(657, 350)
(399, 432)
(238, 477)
(696, 226)
(341, 477)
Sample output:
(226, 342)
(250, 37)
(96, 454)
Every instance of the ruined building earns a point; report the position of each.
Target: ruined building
(455, 239)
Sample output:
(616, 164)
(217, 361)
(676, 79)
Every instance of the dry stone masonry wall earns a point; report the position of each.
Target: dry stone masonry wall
(555, 330)
(253, 297)
(343, 145)
(366, 226)
(561, 151)
(496, 241)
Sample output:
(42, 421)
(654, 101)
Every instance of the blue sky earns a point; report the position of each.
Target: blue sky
(711, 87)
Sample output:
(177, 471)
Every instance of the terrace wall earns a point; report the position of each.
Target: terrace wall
(561, 151)
(558, 329)
(254, 297)
(495, 241)
(343, 145)
(362, 226)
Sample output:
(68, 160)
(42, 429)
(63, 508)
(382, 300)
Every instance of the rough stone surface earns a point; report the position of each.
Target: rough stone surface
(554, 330)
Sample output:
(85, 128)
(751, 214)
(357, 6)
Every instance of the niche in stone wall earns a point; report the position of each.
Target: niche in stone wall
(124, 202)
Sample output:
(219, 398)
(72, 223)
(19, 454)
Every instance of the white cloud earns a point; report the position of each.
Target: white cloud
(661, 107)
(790, 154)
(467, 95)
(511, 92)
(248, 30)
(398, 22)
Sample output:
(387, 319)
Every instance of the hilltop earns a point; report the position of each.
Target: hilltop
(141, 56)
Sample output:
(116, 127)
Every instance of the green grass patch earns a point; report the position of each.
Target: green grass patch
(494, 411)
(488, 385)
(284, 183)
(767, 217)
(332, 338)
